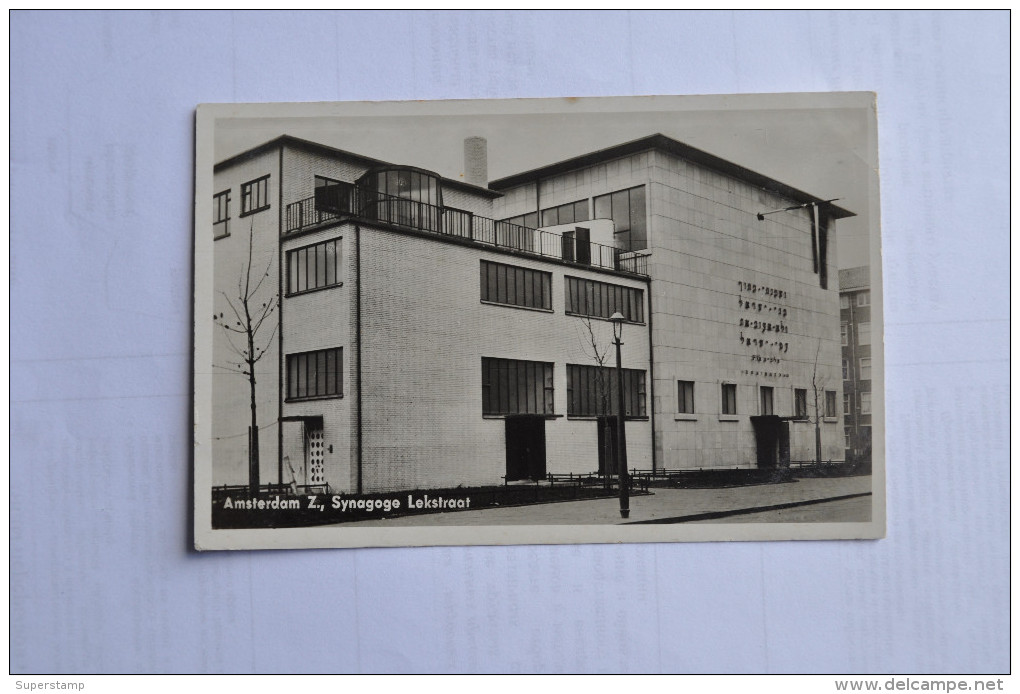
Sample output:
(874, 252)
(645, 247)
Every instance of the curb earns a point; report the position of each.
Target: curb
(711, 515)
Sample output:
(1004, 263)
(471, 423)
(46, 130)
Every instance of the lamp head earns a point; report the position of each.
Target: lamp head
(617, 319)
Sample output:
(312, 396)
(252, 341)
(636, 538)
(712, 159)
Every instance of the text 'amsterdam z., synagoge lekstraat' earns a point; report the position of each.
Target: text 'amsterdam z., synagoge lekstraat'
(433, 332)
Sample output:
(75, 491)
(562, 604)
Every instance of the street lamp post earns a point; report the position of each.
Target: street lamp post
(621, 445)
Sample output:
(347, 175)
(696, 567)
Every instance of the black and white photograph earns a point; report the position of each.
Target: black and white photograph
(538, 321)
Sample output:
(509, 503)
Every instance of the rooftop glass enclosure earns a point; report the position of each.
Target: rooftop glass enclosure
(403, 195)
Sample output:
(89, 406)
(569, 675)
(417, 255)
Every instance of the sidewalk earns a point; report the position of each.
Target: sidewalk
(665, 505)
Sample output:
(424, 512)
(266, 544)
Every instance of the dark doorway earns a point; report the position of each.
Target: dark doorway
(772, 441)
(525, 448)
(607, 445)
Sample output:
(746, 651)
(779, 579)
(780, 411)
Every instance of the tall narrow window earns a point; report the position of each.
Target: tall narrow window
(627, 210)
(729, 398)
(255, 196)
(221, 214)
(316, 374)
(843, 332)
(844, 301)
(766, 400)
(511, 386)
(846, 370)
(800, 403)
(846, 403)
(865, 403)
(685, 397)
(830, 403)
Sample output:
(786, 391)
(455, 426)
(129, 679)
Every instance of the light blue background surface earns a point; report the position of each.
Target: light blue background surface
(101, 213)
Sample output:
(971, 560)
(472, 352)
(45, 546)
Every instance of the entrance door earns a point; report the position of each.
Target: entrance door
(315, 470)
(766, 435)
(525, 448)
(607, 445)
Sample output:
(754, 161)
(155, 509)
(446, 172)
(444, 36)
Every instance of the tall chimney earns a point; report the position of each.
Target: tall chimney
(476, 161)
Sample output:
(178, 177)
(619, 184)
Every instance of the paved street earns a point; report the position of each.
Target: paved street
(675, 506)
(855, 509)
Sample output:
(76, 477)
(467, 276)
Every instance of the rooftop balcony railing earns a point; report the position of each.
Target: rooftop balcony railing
(346, 200)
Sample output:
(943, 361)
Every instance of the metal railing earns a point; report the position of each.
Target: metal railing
(346, 200)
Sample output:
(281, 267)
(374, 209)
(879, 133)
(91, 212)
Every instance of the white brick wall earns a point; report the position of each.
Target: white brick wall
(424, 338)
(705, 238)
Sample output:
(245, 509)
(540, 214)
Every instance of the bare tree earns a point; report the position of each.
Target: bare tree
(817, 384)
(590, 348)
(249, 315)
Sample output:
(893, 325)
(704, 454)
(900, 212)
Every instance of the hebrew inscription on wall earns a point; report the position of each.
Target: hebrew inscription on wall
(763, 328)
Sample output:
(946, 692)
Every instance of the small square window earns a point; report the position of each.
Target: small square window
(864, 299)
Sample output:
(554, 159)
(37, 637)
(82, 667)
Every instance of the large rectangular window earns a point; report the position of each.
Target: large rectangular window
(221, 214)
(316, 374)
(864, 333)
(511, 386)
(865, 372)
(602, 300)
(565, 214)
(592, 391)
(529, 220)
(255, 196)
(729, 398)
(516, 286)
(685, 397)
(313, 267)
(627, 210)
(800, 403)
(830, 403)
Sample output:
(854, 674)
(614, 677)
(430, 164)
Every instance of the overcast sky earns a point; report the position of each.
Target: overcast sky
(822, 151)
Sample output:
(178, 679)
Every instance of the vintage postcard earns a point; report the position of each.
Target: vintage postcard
(641, 319)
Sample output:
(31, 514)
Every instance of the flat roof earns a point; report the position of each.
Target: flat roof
(666, 144)
(317, 148)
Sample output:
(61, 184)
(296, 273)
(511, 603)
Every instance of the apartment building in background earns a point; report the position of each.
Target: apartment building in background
(440, 332)
(856, 339)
